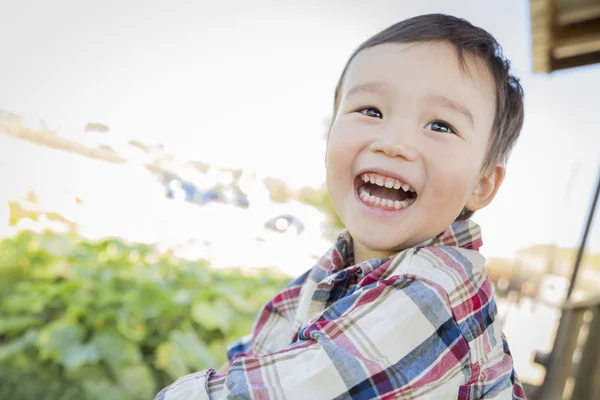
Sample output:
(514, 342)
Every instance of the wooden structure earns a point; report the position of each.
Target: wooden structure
(564, 33)
(575, 355)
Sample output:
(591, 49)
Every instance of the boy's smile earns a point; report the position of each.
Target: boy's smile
(406, 148)
(383, 190)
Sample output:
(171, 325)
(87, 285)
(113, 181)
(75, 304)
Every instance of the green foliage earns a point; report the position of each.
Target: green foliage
(108, 320)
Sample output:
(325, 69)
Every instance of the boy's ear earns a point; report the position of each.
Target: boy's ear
(486, 189)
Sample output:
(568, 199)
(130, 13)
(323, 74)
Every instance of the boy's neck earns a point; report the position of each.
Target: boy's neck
(362, 254)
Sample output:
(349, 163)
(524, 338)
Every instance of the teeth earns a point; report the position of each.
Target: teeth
(387, 203)
(385, 182)
(364, 194)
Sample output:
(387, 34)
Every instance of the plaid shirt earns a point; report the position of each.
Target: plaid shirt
(419, 325)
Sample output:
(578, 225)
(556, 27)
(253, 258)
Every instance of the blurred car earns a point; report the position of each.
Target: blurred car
(285, 223)
(178, 188)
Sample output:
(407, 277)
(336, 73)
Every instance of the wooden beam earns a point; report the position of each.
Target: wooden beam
(576, 46)
(579, 14)
(542, 21)
(577, 30)
(576, 61)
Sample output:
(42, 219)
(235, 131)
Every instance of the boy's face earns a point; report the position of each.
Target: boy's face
(410, 115)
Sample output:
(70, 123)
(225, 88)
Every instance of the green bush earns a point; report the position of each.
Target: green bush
(107, 320)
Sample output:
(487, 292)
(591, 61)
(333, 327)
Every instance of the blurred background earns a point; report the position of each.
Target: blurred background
(161, 161)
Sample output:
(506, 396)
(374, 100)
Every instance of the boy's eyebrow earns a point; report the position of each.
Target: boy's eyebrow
(367, 87)
(453, 105)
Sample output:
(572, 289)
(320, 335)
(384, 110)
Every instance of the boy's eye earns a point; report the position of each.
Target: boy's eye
(371, 112)
(440, 126)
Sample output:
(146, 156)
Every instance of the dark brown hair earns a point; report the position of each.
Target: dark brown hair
(470, 40)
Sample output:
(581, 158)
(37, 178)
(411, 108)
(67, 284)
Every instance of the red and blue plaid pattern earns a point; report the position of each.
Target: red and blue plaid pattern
(419, 325)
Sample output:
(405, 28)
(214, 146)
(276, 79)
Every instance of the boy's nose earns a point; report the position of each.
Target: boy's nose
(394, 144)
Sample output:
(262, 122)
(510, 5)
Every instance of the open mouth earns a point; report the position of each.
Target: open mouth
(384, 192)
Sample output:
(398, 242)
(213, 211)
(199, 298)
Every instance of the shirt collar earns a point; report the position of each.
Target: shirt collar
(463, 234)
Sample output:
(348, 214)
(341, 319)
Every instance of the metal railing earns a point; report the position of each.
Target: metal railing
(573, 366)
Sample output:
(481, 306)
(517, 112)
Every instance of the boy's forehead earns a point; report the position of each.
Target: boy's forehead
(429, 69)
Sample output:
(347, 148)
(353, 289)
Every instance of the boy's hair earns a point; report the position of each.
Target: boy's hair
(470, 40)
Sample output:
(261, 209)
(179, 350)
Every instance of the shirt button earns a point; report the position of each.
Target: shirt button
(359, 271)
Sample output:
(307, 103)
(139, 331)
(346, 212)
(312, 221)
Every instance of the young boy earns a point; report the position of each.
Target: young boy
(425, 114)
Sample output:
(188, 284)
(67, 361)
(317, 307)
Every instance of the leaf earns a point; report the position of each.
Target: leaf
(213, 315)
(183, 353)
(148, 300)
(169, 358)
(182, 297)
(138, 381)
(97, 383)
(195, 351)
(18, 345)
(26, 298)
(56, 340)
(80, 355)
(52, 270)
(131, 326)
(62, 341)
(18, 324)
(58, 246)
(204, 314)
(115, 349)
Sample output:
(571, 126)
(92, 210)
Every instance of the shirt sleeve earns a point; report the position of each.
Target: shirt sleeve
(395, 337)
(495, 378)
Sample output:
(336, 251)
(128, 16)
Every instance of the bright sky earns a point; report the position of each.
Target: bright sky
(250, 83)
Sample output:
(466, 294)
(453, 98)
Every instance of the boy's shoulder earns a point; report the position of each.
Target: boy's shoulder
(458, 277)
(452, 259)
(448, 267)
(456, 274)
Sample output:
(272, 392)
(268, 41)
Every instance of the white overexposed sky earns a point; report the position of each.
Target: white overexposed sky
(250, 84)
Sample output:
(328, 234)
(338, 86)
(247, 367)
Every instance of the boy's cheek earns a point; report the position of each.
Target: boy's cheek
(450, 185)
(339, 152)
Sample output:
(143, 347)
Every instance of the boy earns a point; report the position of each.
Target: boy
(425, 114)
